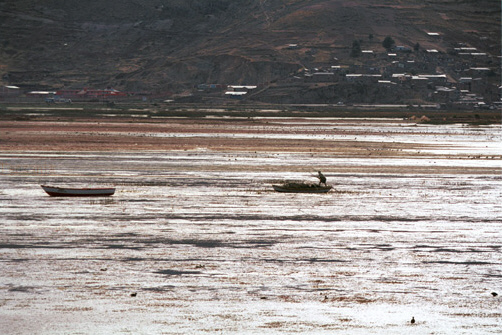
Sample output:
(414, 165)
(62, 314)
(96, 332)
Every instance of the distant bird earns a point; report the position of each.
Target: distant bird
(494, 294)
(412, 320)
(134, 294)
(322, 178)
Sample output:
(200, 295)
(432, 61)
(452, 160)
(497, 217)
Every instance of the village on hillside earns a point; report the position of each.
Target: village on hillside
(459, 77)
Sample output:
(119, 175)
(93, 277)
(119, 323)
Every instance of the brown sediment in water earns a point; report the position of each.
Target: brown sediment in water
(271, 135)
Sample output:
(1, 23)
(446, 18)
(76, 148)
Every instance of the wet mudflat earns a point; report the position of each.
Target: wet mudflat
(196, 241)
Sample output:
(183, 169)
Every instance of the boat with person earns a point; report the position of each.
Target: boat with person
(296, 187)
(303, 187)
(54, 191)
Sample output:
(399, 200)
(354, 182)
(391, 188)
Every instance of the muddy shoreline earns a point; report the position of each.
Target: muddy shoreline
(152, 111)
(319, 137)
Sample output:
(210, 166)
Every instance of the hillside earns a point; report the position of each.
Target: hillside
(170, 46)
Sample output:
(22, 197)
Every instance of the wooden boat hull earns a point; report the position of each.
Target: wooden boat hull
(306, 189)
(77, 192)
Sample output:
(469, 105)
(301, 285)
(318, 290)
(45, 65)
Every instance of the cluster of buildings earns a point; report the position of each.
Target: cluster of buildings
(461, 77)
(10, 93)
(230, 91)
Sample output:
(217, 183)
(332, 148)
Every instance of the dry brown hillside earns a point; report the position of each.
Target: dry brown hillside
(161, 45)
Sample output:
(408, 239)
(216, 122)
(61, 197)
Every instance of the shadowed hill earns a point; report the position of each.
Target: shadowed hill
(161, 45)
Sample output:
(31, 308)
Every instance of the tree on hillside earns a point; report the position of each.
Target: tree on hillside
(388, 42)
(356, 49)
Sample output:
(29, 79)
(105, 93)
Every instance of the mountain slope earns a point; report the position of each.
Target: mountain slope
(161, 45)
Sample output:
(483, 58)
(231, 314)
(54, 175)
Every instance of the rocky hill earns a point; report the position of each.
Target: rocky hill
(171, 46)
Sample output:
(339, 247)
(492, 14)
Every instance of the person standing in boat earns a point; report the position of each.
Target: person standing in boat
(322, 178)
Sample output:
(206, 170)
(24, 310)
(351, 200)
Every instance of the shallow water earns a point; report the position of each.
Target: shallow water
(206, 246)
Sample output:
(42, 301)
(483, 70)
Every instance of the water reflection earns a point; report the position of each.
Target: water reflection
(199, 242)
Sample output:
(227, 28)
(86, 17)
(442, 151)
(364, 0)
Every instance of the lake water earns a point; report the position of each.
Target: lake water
(198, 242)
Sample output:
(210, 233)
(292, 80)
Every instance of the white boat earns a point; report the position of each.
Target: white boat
(77, 192)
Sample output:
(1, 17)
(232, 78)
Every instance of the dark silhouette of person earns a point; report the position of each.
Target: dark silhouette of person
(322, 178)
